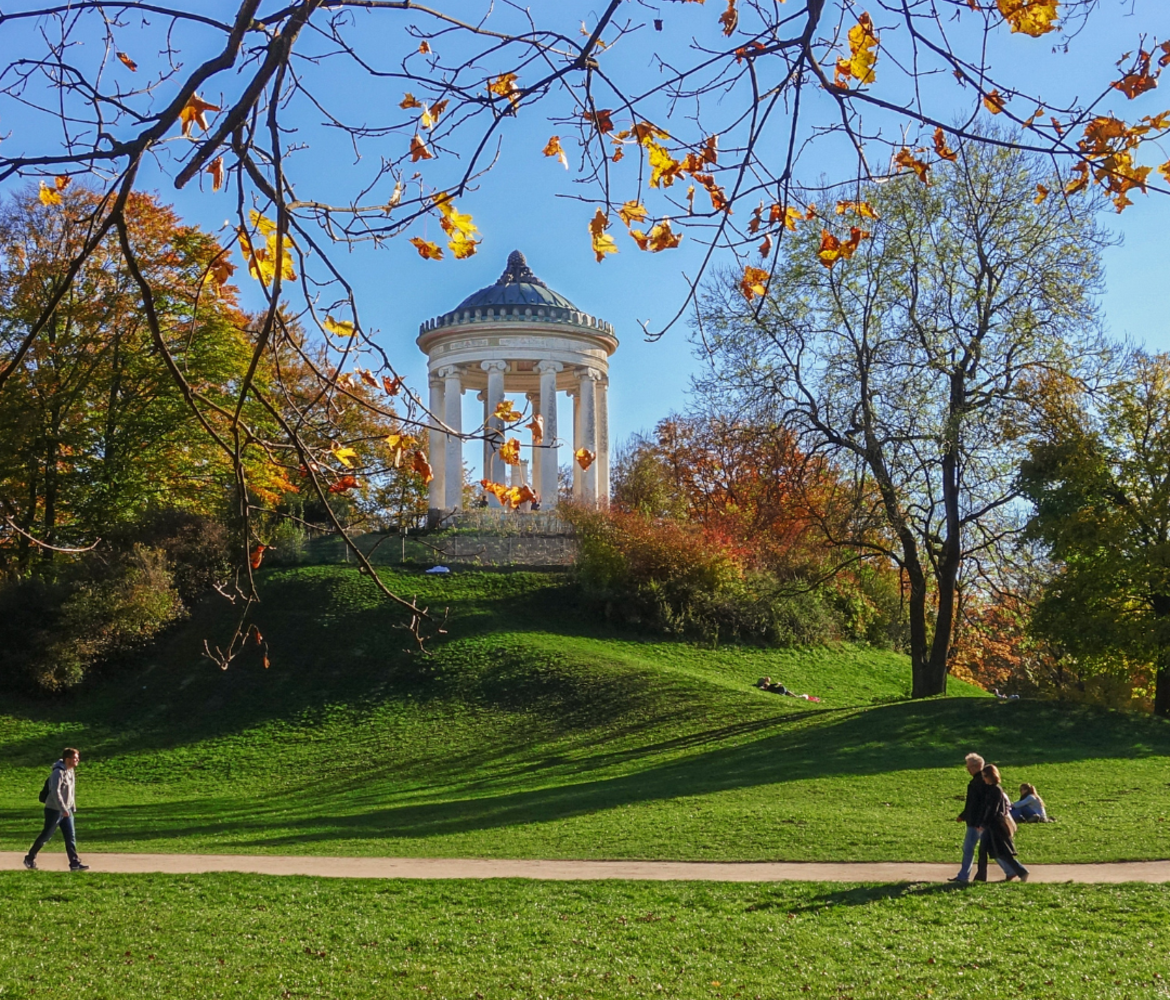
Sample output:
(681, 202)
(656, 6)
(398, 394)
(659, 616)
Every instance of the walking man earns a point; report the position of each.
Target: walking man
(59, 808)
(972, 810)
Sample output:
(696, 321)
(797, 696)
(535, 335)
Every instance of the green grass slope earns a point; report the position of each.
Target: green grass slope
(534, 731)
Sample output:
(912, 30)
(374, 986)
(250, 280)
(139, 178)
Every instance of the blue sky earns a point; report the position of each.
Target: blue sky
(529, 202)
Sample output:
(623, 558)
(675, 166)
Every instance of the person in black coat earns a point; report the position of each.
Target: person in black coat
(997, 829)
(977, 790)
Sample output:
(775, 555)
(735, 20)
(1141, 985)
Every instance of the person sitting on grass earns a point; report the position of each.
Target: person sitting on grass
(1030, 807)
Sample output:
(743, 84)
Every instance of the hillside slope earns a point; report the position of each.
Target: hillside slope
(534, 731)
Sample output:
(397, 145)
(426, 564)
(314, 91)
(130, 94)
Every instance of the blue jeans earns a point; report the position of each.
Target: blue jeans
(970, 842)
(54, 819)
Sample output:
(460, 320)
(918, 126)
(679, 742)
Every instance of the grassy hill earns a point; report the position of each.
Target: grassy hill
(533, 730)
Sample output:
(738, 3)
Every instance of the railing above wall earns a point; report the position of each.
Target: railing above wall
(502, 314)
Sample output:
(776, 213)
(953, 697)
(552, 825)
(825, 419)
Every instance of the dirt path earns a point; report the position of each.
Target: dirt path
(700, 871)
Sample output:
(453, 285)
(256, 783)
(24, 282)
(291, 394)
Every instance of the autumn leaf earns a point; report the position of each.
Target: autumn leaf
(338, 327)
(1139, 79)
(257, 556)
(215, 168)
(49, 195)
(1032, 17)
(553, 148)
(994, 102)
(862, 208)
(126, 61)
(660, 237)
(729, 18)
(941, 148)
(906, 160)
(642, 132)
(504, 85)
(753, 283)
(584, 457)
(506, 411)
(262, 261)
(766, 245)
(1164, 170)
(863, 44)
(424, 47)
(418, 150)
(454, 222)
(603, 243)
(222, 270)
(343, 484)
(392, 387)
(426, 249)
(346, 456)
(664, 168)
(419, 464)
(368, 377)
(510, 451)
(462, 248)
(1041, 194)
(601, 119)
(832, 249)
(194, 113)
(631, 212)
(537, 428)
(410, 101)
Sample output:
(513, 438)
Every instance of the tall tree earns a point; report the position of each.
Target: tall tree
(902, 352)
(1099, 479)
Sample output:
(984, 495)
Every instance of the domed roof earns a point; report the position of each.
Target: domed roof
(517, 286)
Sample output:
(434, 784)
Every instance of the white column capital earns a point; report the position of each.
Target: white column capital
(449, 371)
(494, 366)
(549, 366)
(590, 373)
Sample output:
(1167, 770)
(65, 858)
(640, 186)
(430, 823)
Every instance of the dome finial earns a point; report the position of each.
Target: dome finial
(518, 271)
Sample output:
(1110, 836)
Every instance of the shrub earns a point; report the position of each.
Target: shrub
(198, 549)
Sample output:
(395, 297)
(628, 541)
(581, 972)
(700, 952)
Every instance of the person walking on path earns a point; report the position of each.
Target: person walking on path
(977, 791)
(999, 828)
(60, 804)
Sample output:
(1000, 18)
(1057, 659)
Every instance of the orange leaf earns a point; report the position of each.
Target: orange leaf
(506, 411)
(729, 18)
(766, 245)
(391, 386)
(603, 243)
(129, 63)
(941, 148)
(994, 102)
(1138, 80)
(754, 282)
(907, 161)
(537, 428)
(424, 47)
(553, 148)
(426, 249)
(1041, 194)
(833, 249)
(418, 150)
(631, 212)
(660, 237)
(343, 484)
(410, 101)
(193, 113)
(863, 44)
(368, 377)
(584, 457)
(601, 119)
(257, 556)
(504, 85)
(420, 465)
(862, 208)
(215, 168)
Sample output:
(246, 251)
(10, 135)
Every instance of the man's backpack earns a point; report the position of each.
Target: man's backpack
(44, 796)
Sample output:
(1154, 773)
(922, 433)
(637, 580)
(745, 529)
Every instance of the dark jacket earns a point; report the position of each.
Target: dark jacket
(997, 836)
(977, 790)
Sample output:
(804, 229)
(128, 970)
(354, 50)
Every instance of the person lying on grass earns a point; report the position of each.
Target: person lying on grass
(1030, 807)
(766, 684)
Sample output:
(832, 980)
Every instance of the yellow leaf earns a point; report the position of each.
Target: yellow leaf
(603, 243)
(631, 212)
(664, 168)
(461, 248)
(506, 411)
(833, 249)
(338, 327)
(584, 457)
(455, 223)
(1041, 193)
(862, 208)
(754, 282)
(659, 238)
(510, 451)
(1032, 17)
(194, 113)
(426, 249)
(48, 195)
(504, 85)
(346, 456)
(863, 44)
(994, 102)
(264, 225)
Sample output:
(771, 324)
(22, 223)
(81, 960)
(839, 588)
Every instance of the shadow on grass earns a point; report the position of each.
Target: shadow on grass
(858, 895)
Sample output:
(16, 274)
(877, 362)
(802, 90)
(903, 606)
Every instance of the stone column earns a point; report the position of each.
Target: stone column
(537, 451)
(437, 451)
(493, 426)
(602, 391)
(587, 406)
(549, 451)
(574, 393)
(453, 418)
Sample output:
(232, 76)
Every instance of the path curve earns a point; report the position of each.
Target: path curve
(697, 871)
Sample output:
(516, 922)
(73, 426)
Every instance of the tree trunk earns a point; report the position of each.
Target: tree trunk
(1161, 606)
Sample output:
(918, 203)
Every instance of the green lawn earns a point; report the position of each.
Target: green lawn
(227, 936)
(534, 731)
